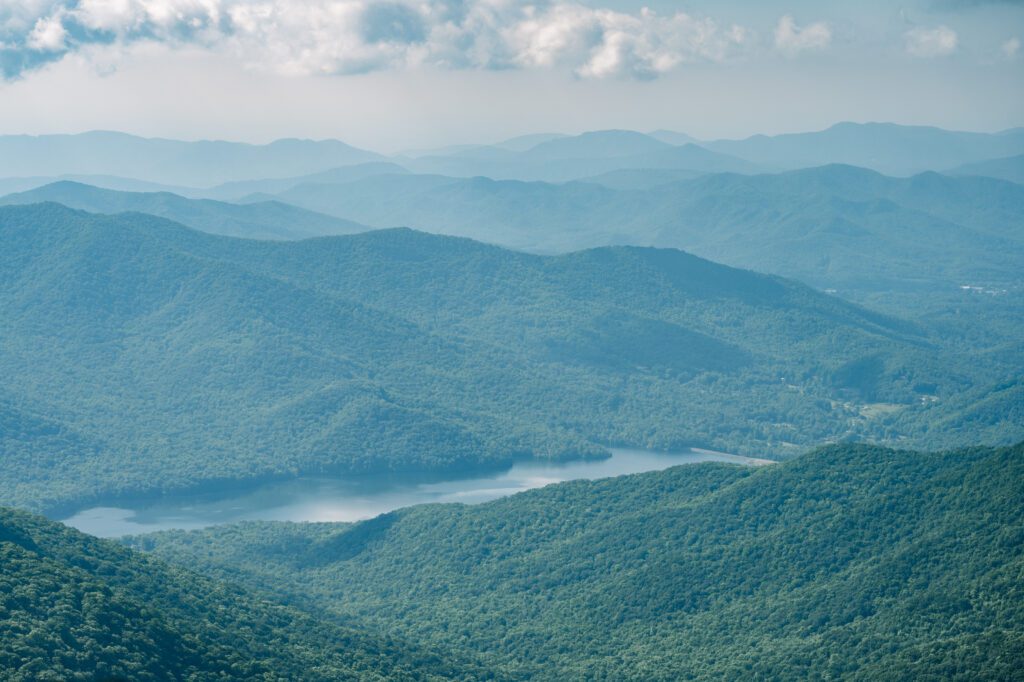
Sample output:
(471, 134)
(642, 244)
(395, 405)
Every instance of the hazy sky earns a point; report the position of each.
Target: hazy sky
(408, 73)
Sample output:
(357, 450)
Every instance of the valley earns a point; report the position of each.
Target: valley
(357, 498)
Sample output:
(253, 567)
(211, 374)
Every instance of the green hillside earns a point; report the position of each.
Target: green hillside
(851, 562)
(76, 608)
(157, 358)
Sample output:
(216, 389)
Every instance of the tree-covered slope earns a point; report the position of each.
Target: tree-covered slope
(164, 358)
(850, 562)
(259, 220)
(76, 608)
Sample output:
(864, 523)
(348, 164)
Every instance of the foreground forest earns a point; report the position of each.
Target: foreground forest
(848, 562)
(851, 562)
(73, 607)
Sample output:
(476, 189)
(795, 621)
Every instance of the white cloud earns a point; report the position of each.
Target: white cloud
(602, 43)
(791, 39)
(346, 36)
(1010, 48)
(930, 42)
(47, 35)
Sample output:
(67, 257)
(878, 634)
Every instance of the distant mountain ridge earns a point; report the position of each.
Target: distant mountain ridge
(261, 220)
(885, 147)
(601, 144)
(171, 162)
(568, 158)
(888, 148)
(834, 226)
(231, 191)
(1010, 168)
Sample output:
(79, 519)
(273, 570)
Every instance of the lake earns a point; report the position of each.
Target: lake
(354, 498)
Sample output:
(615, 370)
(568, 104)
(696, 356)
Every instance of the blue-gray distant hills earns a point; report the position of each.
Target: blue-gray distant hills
(571, 158)
(885, 147)
(260, 220)
(1010, 168)
(142, 356)
(173, 162)
(12, 185)
(888, 148)
(230, 191)
(833, 226)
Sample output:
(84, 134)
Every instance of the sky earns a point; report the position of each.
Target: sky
(396, 74)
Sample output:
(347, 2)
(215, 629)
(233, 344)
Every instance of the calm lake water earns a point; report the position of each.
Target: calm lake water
(361, 497)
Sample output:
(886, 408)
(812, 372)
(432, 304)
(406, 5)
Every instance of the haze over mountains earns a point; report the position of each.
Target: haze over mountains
(835, 227)
(884, 147)
(1011, 168)
(172, 162)
(887, 148)
(259, 220)
(833, 223)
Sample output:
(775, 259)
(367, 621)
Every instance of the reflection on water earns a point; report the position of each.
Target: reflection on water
(361, 497)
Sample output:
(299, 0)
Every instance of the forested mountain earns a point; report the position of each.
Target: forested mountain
(834, 227)
(258, 220)
(1010, 168)
(851, 562)
(885, 147)
(73, 607)
(175, 162)
(157, 358)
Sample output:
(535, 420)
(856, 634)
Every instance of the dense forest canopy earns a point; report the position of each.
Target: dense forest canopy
(144, 356)
(76, 608)
(848, 562)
